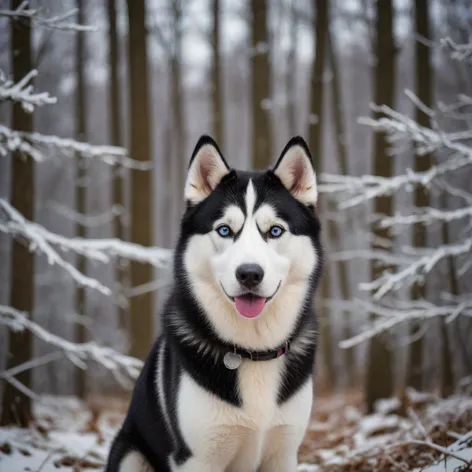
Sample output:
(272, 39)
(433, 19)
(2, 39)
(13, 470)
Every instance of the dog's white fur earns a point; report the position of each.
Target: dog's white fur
(223, 437)
(211, 261)
(134, 461)
(232, 439)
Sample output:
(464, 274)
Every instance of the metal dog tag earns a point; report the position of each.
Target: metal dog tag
(232, 360)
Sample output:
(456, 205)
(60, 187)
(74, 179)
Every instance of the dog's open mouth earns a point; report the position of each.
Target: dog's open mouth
(249, 305)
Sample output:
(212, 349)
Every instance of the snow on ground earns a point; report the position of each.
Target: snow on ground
(399, 436)
(69, 436)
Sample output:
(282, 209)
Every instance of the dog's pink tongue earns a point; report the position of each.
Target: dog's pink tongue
(249, 307)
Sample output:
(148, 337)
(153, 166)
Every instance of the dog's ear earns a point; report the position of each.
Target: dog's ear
(206, 169)
(296, 172)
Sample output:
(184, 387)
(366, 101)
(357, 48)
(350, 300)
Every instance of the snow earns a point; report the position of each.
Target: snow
(41, 147)
(23, 92)
(387, 405)
(58, 22)
(449, 463)
(376, 423)
(460, 52)
(67, 432)
(123, 367)
(45, 242)
(407, 265)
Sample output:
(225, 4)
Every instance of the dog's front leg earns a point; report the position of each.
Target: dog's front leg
(196, 465)
(281, 449)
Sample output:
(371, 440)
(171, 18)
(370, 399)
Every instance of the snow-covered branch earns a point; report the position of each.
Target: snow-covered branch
(23, 92)
(388, 317)
(412, 263)
(89, 221)
(399, 127)
(460, 52)
(408, 265)
(40, 147)
(426, 216)
(417, 268)
(121, 366)
(383, 256)
(45, 242)
(59, 22)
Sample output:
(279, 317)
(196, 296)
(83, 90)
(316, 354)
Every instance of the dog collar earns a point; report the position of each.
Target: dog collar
(232, 359)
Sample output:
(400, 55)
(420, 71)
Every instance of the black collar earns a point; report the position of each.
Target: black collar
(263, 355)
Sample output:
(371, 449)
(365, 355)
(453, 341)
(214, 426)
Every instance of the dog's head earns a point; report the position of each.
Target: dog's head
(249, 244)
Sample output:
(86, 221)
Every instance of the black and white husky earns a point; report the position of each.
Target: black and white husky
(228, 384)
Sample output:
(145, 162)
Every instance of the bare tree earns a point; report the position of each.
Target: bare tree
(80, 185)
(141, 307)
(379, 378)
(424, 91)
(320, 25)
(260, 86)
(170, 41)
(291, 68)
(116, 140)
(216, 89)
(335, 228)
(16, 405)
(179, 162)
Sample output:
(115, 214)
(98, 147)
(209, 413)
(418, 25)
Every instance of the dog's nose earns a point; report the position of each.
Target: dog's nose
(250, 275)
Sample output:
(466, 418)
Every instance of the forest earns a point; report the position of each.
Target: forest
(101, 104)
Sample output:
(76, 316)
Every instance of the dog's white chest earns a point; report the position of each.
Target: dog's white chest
(258, 384)
(234, 438)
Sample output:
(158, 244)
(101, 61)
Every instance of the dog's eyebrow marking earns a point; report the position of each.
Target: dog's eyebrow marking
(233, 216)
(250, 199)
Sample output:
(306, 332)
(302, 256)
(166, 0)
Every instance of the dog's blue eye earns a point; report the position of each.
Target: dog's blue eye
(224, 231)
(276, 232)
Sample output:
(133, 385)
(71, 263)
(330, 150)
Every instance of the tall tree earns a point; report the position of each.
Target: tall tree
(179, 161)
(320, 8)
(16, 406)
(379, 378)
(320, 25)
(115, 138)
(334, 228)
(141, 307)
(291, 67)
(80, 177)
(216, 96)
(424, 91)
(175, 165)
(260, 86)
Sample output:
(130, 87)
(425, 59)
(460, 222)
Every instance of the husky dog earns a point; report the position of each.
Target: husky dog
(228, 385)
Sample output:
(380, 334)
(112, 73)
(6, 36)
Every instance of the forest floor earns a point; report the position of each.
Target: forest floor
(402, 435)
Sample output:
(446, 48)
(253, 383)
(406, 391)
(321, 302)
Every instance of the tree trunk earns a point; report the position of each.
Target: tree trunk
(216, 96)
(320, 8)
(141, 307)
(379, 378)
(290, 74)
(424, 90)
(80, 177)
(179, 127)
(315, 140)
(260, 86)
(118, 177)
(16, 406)
(446, 385)
(178, 160)
(341, 152)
